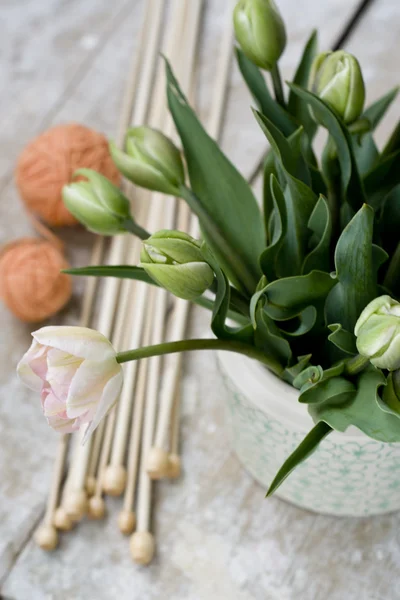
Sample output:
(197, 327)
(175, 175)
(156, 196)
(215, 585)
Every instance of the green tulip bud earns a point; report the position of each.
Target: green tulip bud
(97, 203)
(260, 31)
(378, 333)
(176, 261)
(151, 160)
(337, 79)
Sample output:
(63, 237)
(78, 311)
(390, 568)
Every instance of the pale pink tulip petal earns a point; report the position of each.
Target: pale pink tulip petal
(61, 370)
(108, 399)
(53, 406)
(63, 425)
(32, 367)
(81, 342)
(87, 386)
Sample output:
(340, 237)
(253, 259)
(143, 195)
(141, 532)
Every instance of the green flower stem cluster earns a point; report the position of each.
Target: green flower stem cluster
(309, 284)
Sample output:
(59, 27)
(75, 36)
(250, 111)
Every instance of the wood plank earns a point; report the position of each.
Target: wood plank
(29, 445)
(217, 537)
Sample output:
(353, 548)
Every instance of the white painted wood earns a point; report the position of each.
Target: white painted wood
(218, 537)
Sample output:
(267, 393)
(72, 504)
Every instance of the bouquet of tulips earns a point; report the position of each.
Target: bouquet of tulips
(308, 285)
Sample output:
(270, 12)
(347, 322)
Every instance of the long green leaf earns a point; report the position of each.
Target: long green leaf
(351, 184)
(302, 452)
(260, 92)
(268, 257)
(222, 190)
(382, 178)
(321, 225)
(299, 198)
(365, 149)
(376, 111)
(356, 277)
(393, 144)
(268, 338)
(297, 107)
(268, 201)
(119, 271)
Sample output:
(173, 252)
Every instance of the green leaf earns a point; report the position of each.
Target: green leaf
(364, 147)
(300, 200)
(223, 192)
(302, 452)
(259, 90)
(268, 201)
(382, 179)
(356, 278)
(363, 411)
(351, 184)
(365, 151)
(288, 297)
(139, 274)
(318, 183)
(377, 110)
(287, 151)
(321, 225)
(268, 257)
(333, 391)
(221, 306)
(119, 271)
(292, 372)
(268, 338)
(389, 222)
(307, 319)
(297, 107)
(390, 399)
(393, 144)
(342, 339)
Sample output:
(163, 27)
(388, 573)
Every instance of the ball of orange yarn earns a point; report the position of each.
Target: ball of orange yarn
(31, 284)
(49, 161)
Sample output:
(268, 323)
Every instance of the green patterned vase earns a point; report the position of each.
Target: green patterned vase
(349, 474)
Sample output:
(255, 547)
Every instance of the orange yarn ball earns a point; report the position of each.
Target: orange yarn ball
(31, 284)
(48, 163)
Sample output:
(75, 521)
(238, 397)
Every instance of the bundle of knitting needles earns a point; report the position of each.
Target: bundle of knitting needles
(138, 442)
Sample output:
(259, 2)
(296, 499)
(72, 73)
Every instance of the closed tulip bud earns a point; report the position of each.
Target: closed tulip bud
(260, 31)
(151, 160)
(98, 204)
(337, 79)
(176, 261)
(378, 333)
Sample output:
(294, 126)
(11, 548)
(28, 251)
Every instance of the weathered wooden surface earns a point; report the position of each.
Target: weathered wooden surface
(216, 536)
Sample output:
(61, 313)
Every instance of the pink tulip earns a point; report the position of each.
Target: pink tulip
(77, 374)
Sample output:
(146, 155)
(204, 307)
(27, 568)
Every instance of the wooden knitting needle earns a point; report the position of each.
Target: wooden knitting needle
(158, 460)
(159, 464)
(127, 518)
(142, 543)
(154, 14)
(46, 535)
(114, 479)
(75, 500)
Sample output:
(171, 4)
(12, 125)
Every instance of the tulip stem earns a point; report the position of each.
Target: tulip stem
(200, 344)
(278, 87)
(356, 365)
(131, 226)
